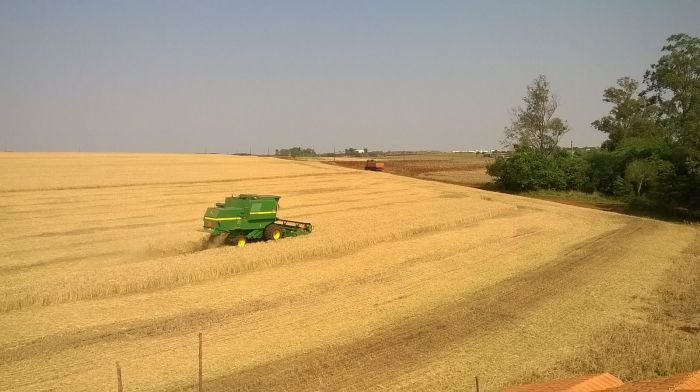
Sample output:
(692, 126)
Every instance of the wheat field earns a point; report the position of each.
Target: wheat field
(403, 285)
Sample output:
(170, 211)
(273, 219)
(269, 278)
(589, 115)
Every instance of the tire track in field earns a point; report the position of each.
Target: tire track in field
(161, 184)
(17, 268)
(400, 349)
(165, 326)
(196, 320)
(100, 229)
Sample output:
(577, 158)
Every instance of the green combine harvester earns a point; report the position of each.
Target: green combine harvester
(251, 217)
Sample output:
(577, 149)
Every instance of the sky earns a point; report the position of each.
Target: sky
(240, 76)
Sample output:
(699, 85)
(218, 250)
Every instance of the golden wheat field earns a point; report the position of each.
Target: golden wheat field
(403, 285)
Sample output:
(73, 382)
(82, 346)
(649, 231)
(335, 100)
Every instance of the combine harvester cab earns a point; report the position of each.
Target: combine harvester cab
(251, 217)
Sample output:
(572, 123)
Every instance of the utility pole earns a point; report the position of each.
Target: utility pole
(572, 148)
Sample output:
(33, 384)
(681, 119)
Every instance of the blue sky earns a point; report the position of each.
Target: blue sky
(231, 76)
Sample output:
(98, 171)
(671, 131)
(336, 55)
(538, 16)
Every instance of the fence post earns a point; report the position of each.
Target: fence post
(200, 362)
(120, 387)
(476, 378)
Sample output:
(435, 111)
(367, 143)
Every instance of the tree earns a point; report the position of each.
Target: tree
(641, 172)
(631, 115)
(535, 126)
(674, 83)
(302, 152)
(638, 173)
(296, 152)
(355, 152)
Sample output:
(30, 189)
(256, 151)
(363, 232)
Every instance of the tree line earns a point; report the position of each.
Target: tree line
(310, 152)
(296, 152)
(652, 152)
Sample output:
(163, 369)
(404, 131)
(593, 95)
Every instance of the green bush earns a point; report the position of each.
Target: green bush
(621, 187)
(577, 171)
(604, 169)
(528, 170)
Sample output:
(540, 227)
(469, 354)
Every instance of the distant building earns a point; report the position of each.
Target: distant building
(471, 151)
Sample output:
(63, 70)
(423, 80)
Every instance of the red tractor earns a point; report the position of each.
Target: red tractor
(373, 165)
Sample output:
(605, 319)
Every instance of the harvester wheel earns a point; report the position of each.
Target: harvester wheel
(273, 232)
(239, 241)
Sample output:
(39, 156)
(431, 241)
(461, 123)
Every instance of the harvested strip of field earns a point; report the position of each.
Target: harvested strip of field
(477, 177)
(460, 169)
(404, 284)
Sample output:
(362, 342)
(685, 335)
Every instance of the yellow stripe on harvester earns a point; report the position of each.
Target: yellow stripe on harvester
(238, 217)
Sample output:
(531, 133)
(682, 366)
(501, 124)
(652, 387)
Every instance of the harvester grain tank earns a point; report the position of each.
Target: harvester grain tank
(251, 217)
(373, 165)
